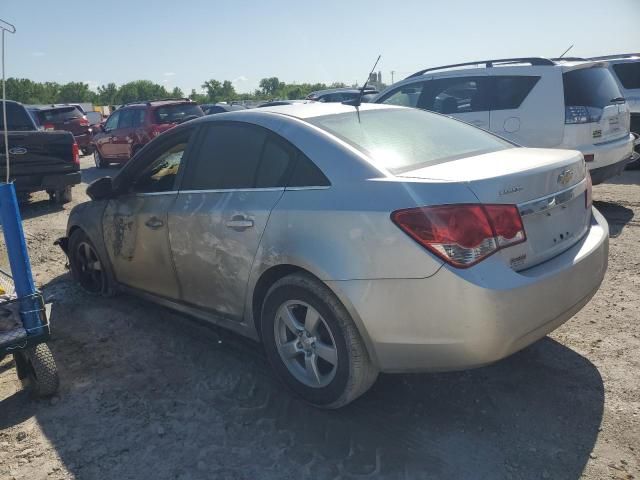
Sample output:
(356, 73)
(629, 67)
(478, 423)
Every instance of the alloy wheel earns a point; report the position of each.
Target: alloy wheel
(305, 343)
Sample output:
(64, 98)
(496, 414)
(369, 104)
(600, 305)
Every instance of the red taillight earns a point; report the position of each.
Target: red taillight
(462, 235)
(84, 122)
(49, 126)
(588, 195)
(76, 153)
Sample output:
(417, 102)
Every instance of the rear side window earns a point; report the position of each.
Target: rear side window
(17, 118)
(277, 156)
(405, 96)
(227, 158)
(589, 87)
(307, 174)
(628, 74)
(59, 114)
(455, 95)
(508, 92)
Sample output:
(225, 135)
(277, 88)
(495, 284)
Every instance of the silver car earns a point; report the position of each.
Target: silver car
(349, 241)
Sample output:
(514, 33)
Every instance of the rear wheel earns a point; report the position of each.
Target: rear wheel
(37, 370)
(313, 344)
(61, 196)
(87, 268)
(99, 160)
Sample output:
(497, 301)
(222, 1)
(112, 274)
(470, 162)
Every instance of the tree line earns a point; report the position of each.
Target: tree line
(29, 92)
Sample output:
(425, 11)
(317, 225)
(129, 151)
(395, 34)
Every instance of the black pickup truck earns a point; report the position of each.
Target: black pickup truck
(38, 160)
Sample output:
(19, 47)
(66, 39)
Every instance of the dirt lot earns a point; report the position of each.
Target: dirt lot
(150, 394)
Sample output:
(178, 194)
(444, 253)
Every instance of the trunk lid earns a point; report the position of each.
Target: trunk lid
(547, 185)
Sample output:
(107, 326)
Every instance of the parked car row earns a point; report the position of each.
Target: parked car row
(534, 102)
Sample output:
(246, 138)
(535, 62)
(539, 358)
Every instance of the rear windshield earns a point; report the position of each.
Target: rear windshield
(401, 140)
(590, 87)
(629, 74)
(56, 115)
(17, 118)
(176, 113)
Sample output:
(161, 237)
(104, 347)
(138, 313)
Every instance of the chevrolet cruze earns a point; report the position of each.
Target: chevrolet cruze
(348, 240)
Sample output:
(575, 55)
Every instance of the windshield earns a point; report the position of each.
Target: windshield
(590, 87)
(629, 74)
(59, 115)
(17, 118)
(176, 113)
(403, 139)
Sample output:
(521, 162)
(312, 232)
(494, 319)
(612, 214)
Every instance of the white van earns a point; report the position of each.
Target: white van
(534, 102)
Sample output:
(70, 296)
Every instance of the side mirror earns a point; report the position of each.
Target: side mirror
(100, 189)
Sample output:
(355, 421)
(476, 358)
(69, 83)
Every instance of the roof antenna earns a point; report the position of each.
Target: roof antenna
(356, 102)
(565, 52)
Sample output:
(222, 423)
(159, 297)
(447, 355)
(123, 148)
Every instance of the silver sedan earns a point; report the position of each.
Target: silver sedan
(348, 240)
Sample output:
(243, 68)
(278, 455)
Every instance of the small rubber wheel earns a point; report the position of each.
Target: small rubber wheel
(61, 196)
(38, 370)
(99, 160)
(87, 268)
(313, 344)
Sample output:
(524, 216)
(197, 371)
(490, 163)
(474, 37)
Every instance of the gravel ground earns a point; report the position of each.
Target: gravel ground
(148, 393)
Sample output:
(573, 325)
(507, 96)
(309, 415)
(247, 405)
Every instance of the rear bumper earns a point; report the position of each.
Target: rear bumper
(83, 140)
(609, 159)
(599, 175)
(36, 183)
(458, 319)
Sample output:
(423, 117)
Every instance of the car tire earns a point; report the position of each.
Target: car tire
(99, 160)
(37, 369)
(61, 196)
(87, 267)
(325, 361)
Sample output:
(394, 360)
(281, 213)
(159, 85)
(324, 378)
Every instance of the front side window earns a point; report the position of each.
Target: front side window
(161, 174)
(400, 140)
(405, 96)
(455, 95)
(508, 92)
(112, 121)
(629, 74)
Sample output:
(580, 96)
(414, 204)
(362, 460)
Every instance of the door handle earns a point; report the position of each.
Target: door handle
(239, 223)
(154, 223)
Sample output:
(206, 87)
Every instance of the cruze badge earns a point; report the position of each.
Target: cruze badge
(509, 190)
(565, 177)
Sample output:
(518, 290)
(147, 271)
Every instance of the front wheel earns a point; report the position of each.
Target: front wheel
(87, 268)
(37, 369)
(313, 344)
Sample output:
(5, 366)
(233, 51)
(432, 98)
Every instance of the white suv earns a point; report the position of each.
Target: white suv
(626, 70)
(534, 102)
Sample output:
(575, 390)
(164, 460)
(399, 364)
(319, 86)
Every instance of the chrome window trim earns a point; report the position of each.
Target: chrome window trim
(225, 190)
(554, 200)
(153, 194)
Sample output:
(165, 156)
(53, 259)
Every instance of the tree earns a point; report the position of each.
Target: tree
(75, 92)
(177, 93)
(140, 90)
(214, 90)
(271, 87)
(107, 94)
(197, 97)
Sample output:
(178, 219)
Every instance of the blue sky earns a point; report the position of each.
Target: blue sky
(184, 43)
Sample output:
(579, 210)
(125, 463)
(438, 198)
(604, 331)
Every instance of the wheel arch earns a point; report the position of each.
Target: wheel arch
(271, 275)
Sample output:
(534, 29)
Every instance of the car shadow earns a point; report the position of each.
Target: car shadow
(147, 393)
(618, 216)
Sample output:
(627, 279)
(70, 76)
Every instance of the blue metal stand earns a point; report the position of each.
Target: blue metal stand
(30, 304)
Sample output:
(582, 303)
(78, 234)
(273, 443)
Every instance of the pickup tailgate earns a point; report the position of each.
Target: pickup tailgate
(38, 153)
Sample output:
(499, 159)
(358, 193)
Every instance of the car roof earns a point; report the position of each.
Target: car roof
(304, 110)
(622, 57)
(158, 103)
